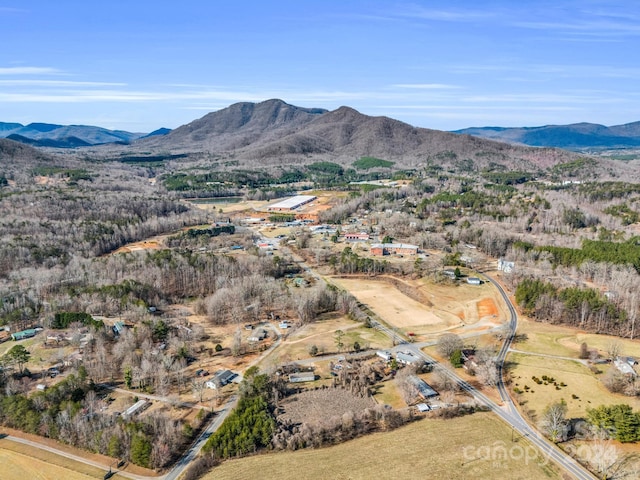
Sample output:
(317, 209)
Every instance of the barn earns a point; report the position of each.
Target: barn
(302, 377)
(424, 389)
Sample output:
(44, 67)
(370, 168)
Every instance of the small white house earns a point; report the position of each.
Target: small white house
(505, 266)
(258, 336)
(407, 358)
(385, 355)
(220, 379)
(473, 281)
(624, 367)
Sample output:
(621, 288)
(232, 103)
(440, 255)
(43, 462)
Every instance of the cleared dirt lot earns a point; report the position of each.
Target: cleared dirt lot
(431, 448)
(424, 308)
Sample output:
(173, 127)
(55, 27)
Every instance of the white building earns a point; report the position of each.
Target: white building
(291, 203)
(504, 266)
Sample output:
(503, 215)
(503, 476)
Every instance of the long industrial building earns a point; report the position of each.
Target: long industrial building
(291, 203)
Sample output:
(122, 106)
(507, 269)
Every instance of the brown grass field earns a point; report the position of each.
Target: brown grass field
(565, 341)
(387, 393)
(430, 448)
(314, 406)
(22, 462)
(322, 334)
(578, 378)
(425, 308)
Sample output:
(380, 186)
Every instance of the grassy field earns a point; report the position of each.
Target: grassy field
(435, 449)
(22, 462)
(566, 341)
(388, 393)
(579, 379)
(322, 334)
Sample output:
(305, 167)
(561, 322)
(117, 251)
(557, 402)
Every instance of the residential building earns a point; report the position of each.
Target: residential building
(505, 266)
(356, 237)
(220, 379)
(381, 249)
(258, 336)
(384, 354)
(424, 389)
(407, 358)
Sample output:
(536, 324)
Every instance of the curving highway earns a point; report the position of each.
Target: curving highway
(508, 411)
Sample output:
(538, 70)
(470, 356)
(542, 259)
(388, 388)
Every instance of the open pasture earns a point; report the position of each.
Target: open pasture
(462, 447)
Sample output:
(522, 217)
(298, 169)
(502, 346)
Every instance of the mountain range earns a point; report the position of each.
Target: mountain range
(276, 133)
(267, 123)
(577, 136)
(67, 136)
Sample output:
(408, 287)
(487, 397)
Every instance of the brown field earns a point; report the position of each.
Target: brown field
(565, 341)
(139, 246)
(295, 345)
(22, 462)
(313, 406)
(430, 448)
(388, 393)
(579, 379)
(231, 207)
(426, 308)
(18, 466)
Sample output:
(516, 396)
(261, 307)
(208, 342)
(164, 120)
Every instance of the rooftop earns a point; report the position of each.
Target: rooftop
(293, 202)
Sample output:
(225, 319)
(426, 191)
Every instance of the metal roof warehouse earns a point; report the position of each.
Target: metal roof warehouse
(291, 203)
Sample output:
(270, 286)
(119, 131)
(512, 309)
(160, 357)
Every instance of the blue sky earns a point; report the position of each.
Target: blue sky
(140, 65)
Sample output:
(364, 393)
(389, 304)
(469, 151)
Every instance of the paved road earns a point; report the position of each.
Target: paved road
(76, 458)
(508, 411)
(181, 465)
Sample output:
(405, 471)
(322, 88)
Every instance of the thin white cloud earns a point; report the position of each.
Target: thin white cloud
(561, 70)
(473, 107)
(12, 10)
(445, 15)
(28, 71)
(57, 83)
(595, 29)
(541, 98)
(426, 86)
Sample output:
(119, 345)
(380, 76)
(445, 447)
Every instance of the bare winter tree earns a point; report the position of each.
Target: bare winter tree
(198, 387)
(554, 422)
(487, 368)
(449, 343)
(611, 462)
(614, 349)
(236, 346)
